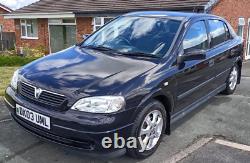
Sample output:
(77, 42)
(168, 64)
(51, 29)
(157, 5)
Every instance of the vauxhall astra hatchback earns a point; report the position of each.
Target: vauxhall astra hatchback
(132, 78)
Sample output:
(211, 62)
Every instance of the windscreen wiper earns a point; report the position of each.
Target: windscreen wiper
(98, 47)
(140, 54)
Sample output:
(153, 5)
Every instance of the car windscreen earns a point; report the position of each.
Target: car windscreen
(136, 35)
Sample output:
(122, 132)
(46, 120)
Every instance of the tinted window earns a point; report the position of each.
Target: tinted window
(196, 37)
(217, 31)
(136, 34)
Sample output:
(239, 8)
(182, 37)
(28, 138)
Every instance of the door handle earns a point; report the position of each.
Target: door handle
(211, 62)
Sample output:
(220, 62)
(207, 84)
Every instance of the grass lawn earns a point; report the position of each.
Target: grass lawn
(8, 64)
(5, 77)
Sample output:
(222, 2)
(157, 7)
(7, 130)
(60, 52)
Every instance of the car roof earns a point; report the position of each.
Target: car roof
(169, 14)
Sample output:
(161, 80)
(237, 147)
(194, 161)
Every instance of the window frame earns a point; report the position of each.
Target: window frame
(60, 21)
(99, 25)
(242, 31)
(228, 32)
(241, 26)
(26, 29)
(207, 31)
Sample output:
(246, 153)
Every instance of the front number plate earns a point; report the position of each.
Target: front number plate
(33, 117)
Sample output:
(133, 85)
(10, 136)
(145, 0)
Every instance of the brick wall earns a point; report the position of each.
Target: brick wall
(84, 26)
(43, 36)
(231, 10)
(8, 24)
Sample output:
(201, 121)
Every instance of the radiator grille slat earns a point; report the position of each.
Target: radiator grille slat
(46, 97)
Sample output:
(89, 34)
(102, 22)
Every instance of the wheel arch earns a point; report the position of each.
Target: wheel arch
(167, 99)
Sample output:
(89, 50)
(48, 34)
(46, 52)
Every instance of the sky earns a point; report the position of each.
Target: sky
(15, 4)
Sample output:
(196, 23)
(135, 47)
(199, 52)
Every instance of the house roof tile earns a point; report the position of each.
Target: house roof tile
(100, 6)
(7, 9)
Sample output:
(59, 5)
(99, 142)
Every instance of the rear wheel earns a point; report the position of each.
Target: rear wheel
(149, 127)
(232, 81)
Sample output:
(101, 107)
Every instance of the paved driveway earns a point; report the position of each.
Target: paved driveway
(222, 116)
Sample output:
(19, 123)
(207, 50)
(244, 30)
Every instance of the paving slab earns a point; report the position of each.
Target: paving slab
(246, 69)
(14, 140)
(244, 88)
(47, 152)
(216, 153)
(4, 113)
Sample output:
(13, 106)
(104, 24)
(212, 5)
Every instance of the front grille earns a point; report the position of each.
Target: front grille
(46, 97)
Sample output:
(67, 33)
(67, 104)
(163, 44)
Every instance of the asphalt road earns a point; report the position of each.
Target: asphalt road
(216, 153)
(225, 117)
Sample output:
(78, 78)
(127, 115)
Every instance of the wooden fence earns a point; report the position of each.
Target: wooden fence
(7, 41)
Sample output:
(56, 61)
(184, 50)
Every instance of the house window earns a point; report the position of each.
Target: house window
(29, 28)
(100, 21)
(65, 21)
(241, 25)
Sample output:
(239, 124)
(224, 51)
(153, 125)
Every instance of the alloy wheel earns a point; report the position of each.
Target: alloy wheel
(233, 78)
(151, 129)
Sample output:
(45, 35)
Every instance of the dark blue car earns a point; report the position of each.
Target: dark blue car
(132, 78)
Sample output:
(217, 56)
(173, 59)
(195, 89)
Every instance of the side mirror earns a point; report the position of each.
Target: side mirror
(192, 55)
(85, 36)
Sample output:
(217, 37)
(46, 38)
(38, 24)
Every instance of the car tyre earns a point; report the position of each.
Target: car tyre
(232, 81)
(141, 128)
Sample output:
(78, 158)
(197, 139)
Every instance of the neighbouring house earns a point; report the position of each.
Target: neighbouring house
(7, 29)
(56, 25)
(6, 25)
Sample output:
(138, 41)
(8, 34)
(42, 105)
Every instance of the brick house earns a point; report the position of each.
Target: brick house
(6, 25)
(56, 25)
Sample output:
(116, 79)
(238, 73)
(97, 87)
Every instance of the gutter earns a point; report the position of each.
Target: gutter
(210, 5)
(39, 15)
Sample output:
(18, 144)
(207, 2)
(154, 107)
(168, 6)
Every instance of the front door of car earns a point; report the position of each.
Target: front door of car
(193, 78)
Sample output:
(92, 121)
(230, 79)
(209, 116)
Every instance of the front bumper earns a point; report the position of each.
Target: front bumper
(71, 128)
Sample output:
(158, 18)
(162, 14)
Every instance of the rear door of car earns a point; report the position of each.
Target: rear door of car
(219, 56)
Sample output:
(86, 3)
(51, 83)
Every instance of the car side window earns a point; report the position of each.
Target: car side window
(218, 32)
(196, 37)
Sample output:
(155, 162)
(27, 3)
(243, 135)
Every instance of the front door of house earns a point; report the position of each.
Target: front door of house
(61, 37)
(248, 41)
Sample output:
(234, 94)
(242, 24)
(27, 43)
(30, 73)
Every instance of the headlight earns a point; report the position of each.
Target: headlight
(14, 79)
(100, 104)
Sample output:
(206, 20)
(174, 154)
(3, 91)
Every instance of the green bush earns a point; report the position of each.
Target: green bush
(15, 60)
(34, 52)
(8, 53)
